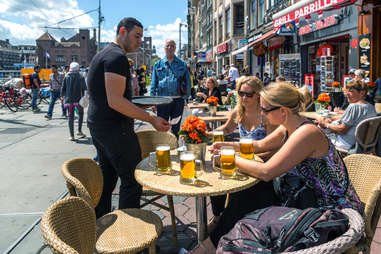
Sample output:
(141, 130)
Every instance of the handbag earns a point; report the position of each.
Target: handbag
(84, 101)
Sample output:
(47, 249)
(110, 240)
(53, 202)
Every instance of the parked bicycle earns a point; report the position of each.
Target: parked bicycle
(14, 99)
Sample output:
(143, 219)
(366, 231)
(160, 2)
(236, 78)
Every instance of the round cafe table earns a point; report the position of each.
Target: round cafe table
(208, 183)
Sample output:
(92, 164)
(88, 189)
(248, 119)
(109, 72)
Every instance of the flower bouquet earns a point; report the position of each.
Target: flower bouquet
(336, 86)
(322, 102)
(193, 130)
(212, 102)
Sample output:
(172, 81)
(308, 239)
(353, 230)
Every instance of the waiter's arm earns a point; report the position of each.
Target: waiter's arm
(115, 86)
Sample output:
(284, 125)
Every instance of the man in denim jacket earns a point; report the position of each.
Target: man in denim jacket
(166, 81)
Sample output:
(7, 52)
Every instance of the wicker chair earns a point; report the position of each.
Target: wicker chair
(365, 174)
(148, 139)
(68, 226)
(121, 231)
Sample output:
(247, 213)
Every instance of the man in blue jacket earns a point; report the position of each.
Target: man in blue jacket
(170, 77)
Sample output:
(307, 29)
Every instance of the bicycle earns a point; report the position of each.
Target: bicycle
(14, 99)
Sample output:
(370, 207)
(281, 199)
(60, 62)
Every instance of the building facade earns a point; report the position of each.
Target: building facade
(310, 42)
(79, 48)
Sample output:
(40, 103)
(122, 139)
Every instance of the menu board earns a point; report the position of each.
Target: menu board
(289, 67)
(364, 51)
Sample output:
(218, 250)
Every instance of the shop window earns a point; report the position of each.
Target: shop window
(261, 11)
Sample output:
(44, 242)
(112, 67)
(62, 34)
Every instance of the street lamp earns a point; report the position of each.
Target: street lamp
(180, 24)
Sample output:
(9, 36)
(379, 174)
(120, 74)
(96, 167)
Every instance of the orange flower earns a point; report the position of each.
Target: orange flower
(193, 130)
(324, 97)
(212, 101)
(371, 84)
(335, 83)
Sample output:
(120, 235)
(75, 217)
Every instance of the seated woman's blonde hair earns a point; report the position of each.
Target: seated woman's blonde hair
(358, 85)
(255, 83)
(283, 94)
(215, 83)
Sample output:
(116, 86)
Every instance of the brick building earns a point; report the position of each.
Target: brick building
(79, 48)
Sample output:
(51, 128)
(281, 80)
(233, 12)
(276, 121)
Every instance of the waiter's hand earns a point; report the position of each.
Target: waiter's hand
(160, 124)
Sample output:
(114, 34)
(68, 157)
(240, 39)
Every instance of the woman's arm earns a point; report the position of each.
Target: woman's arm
(230, 124)
(338, 128)
(297, 148)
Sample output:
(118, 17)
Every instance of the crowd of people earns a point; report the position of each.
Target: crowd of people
(267, 112)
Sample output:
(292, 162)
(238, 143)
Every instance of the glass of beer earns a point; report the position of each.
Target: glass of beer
(187, 167)
(227, 162)
(246, 148)
(163, 158)
(218, 136)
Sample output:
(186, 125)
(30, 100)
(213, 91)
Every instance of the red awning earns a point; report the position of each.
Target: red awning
(263, 37)
(323, 50)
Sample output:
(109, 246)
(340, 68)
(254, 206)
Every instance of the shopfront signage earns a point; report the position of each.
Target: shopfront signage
(201, 57)
(364, 51)
(222, 48)
(309, 81)
(242, 43)
(259, 50)
(209, 55)
(317, 25)
(305, 10)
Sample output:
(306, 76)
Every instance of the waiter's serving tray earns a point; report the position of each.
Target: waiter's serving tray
(151, 100)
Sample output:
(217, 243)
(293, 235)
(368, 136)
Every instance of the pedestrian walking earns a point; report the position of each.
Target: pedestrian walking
(170, 77)
(73, 88)
(36, 83)
(55, 85)
(111, 117)
(233, 75)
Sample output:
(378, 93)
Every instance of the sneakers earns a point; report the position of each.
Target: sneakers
(36, 110)
(71, 138)
(80, 134)
(48, 117)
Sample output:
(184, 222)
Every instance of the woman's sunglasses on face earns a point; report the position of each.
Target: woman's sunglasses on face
(267, 110)
(248, 95)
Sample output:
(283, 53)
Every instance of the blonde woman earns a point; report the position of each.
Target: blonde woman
(212, 85)
(302, 150)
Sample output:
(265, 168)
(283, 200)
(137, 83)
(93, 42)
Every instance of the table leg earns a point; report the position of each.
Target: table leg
(201, 219)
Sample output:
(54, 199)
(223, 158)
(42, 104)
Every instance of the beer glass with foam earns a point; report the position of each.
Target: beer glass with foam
(227, 162)
(163, 158)
(246, 148)
(218, 136)
(187, 167)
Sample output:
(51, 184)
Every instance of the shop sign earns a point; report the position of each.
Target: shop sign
(305, 10)
(276, 42)
(309, 81)
(260, 50)
(287, 29)
(209, 55)
(317, 25)
(257, 36)
(354, 43)
(242, 43)
(201, 57)
(364, 51)
(239, 57)
(224, 47)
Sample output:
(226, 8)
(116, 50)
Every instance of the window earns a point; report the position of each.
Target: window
(220, 26)
(60, 59)
(253, 19)
(227, 24)
(261, 11)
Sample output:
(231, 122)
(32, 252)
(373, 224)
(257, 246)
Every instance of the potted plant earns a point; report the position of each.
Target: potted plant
(336, 86)
(322, 102)
(212, 103)
(195, 137)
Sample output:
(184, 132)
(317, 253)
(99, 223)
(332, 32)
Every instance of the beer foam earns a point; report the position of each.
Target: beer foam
(187, 157)
(218, 133)
(163, 148)
(227, 152)
(245, 140)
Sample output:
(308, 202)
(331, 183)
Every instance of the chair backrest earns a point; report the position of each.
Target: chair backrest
(68, 226)
(149, 139)
(85, 176)
(367, 134)
(365, 174)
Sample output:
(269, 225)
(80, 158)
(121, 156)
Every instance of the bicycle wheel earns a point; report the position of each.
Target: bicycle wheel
(25, 101)
(11, 104)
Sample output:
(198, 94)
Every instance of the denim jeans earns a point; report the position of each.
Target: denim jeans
(119, 153)
(35, 92)
(54, 95)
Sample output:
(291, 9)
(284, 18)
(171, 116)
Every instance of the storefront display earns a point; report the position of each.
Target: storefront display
(289, 67)
(327, 72)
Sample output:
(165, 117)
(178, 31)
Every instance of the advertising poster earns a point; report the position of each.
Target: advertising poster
(310, 83)
(364, 51)
(346, 79)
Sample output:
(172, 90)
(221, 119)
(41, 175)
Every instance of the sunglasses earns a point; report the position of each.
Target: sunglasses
(267, 110)
(249, 95)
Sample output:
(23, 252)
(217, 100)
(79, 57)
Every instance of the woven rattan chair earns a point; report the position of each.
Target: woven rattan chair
(121, 231)
(365, 174)
(343, 242)
(68, 226)
(148, 139)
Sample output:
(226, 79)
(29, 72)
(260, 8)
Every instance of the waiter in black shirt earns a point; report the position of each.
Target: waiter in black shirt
(111, 116)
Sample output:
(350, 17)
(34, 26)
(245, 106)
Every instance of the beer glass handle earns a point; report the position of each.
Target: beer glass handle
(216, 162)
(152, 159)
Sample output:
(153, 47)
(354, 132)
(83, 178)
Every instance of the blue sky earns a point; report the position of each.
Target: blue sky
(23, 21)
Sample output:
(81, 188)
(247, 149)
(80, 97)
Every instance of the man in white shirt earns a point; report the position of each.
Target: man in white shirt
(233, 75)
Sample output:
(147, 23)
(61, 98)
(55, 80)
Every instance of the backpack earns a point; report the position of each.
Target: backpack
(27, 79)
(277, 229)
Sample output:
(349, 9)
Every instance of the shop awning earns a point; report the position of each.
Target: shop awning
(304, 8)
(240, 50)
(263, 37)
